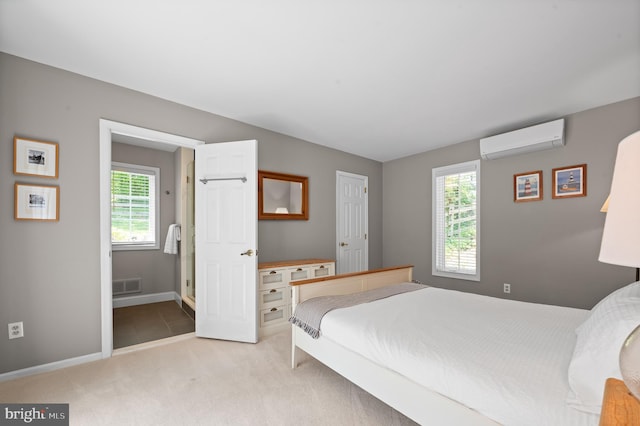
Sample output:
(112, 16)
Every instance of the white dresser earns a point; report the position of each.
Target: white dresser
(274, 293)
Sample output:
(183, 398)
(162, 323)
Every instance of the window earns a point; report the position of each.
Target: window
(456, 221)
(134, 210)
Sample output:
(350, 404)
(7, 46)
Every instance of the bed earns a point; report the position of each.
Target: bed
(472, 360)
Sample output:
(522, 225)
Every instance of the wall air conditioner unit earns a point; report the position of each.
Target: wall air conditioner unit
(534, 138)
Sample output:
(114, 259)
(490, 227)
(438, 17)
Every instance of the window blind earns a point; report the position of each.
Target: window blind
(456, 221)
(133, 205)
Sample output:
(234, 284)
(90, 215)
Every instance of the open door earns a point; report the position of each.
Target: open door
(226, 220)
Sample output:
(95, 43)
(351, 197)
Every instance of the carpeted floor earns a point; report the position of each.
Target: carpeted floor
(197, 381)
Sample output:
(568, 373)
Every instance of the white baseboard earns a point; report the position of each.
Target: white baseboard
(143, 299)
(119, 302)
(50, 367)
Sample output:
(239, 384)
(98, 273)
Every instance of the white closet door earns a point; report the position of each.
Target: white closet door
(352, 252)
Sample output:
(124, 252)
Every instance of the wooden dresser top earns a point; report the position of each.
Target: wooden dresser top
(285, 263)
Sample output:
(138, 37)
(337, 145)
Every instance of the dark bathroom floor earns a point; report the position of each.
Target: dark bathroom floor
(144, 323)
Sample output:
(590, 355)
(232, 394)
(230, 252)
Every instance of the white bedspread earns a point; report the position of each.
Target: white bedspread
(506, 359)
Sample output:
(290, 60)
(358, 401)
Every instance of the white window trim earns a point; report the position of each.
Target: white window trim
(442, 171)
(145, 170)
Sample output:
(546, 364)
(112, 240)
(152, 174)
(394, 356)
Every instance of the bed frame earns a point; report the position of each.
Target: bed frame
(416, 402)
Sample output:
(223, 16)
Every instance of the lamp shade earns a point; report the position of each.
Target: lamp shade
(621, 236)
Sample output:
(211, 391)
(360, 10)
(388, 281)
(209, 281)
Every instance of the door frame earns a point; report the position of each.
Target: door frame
(152, 139)
(365, 180)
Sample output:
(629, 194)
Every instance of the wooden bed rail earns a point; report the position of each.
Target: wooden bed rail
(349, 283)
(349, 275)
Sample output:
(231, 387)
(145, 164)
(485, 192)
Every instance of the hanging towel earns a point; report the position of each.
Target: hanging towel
(173, 236)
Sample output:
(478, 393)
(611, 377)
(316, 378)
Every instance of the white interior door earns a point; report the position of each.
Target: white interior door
(352, 223)
(226, 217)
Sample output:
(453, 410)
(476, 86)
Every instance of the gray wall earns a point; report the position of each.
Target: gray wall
(547, 250)
(157, 269)
(50, 272)
(278, 239)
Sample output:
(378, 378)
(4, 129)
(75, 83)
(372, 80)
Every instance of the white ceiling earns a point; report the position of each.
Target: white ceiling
(378, 78)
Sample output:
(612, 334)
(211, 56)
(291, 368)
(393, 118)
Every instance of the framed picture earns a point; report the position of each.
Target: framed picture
(37, 202)
(527, 186)
(569, 181)
(35, 158)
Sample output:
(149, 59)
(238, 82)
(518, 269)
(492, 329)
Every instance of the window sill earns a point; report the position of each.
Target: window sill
(466, 277)
(138, 247)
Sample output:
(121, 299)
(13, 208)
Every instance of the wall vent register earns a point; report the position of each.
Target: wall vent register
(126, 286)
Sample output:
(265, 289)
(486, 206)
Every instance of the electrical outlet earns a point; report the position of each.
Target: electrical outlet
(507, 288)
(16, 330)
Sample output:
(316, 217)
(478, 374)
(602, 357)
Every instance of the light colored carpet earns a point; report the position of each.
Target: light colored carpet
(205, 382)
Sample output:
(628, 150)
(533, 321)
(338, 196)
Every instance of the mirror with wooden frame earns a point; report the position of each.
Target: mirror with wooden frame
(282, 196)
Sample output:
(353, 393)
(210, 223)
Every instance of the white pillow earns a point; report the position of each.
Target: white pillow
(599, 339)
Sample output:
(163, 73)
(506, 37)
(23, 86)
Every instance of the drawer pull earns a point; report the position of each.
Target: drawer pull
(321, 266)
(274, 309)
(273, 272)
(299, 269)
(273, 291)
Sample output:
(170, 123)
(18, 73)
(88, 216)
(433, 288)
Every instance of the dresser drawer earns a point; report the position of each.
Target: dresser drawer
(274, 292)
(274, 297)
(303, 273)
(277, 315)
(272, 278)
(323, 270)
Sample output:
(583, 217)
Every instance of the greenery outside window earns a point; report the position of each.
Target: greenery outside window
(456, 221)
(134, 207)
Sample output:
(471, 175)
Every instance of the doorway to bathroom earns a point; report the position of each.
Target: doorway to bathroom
(226, 219)
(149, 189)
(152, 280)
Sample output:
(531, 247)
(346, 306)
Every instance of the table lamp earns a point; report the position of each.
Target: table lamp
(621, 240)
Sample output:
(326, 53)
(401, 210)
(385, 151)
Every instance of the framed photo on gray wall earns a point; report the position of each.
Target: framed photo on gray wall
(527, 186)
(36, 202)
(569, 181)
(35, 158)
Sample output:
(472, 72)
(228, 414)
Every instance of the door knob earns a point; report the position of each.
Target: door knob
(344, 244)
(247, 253)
